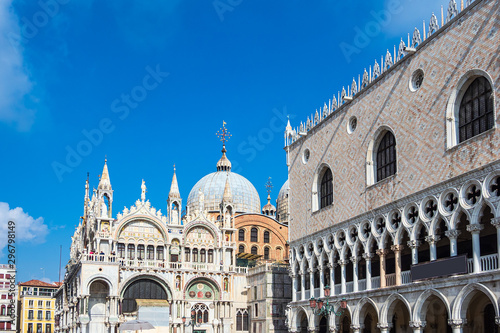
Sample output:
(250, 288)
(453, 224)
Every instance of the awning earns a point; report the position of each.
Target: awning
(248, 256)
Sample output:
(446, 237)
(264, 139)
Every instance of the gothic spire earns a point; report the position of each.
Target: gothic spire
(228, 196)
(104, 182)
(174, 187)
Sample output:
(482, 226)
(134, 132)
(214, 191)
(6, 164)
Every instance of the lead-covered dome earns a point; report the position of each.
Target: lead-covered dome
(282, 209)
(244, 195)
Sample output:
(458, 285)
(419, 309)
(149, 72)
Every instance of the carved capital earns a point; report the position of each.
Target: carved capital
(310, 270)
(497, 321)
(413, 244)
(354, 259)
(368, 256)
(329, 265)
(382, 252)
(432, 239)
(397, 248)
(342, 262)
(417, 324)
(475, 228)
(496, 222)
(457, 323)
(384, 326)
(452, 234)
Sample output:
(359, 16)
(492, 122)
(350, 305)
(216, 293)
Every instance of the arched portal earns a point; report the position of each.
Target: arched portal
(436, 315)
(99, 290)
(141, 289)
(303, 322)
(323, 325)
(481, 314)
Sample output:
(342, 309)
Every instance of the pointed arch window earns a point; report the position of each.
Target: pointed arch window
(254, 235)
(326, 189)
(203, 255)
(476, 109)
(195, 255)
(241, 235)
(386, 156)
(210, 256)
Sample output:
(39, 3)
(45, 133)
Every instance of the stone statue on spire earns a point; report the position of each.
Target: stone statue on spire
(143, 188)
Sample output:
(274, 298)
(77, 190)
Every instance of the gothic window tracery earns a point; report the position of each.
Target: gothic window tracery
(476, 109)
(326, 189)
(386, 156)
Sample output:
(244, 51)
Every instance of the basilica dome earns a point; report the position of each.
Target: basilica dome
(283, 211)
(244, 195)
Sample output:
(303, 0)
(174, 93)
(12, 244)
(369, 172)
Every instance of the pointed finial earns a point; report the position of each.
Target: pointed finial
(269, 186)
(223, 133)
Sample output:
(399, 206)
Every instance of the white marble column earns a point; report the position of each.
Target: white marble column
(342, 264)
(432, 240)
(496, 223)
(413, 245)
(322, 281)
(475, 229)
(332, 278)
(311, 281)
(303, 285)
(368, 260)
(452, 236)
(355, 270)
(294, 288)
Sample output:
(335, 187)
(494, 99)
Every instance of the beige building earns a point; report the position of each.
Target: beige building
(7, 298)
(400, 210)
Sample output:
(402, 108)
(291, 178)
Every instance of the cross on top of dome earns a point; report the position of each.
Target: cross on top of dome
(223, 134)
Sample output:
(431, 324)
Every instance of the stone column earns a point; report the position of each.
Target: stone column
(475, 229)
(332, 278)
(432, 240)
(294, 288)
(382, 253)
(321, 281)
(342, 264)
(397, 256)
(496, 223)
(417, 326)
(368, 260)
(84, 328)
(457, 325)
(355, 261)
(311, 281)
(413, 245)
(452, 236)
(303, 285)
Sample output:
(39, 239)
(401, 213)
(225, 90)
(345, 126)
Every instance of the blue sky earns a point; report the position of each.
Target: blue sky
(148, 84)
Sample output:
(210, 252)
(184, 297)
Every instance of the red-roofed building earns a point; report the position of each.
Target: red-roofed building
(36, 306)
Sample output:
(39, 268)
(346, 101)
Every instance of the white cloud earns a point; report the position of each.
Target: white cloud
(15, 83)
(27, 229)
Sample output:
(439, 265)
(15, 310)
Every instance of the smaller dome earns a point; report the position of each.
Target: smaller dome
(224, 163)
(283, 212)
(269, 209)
